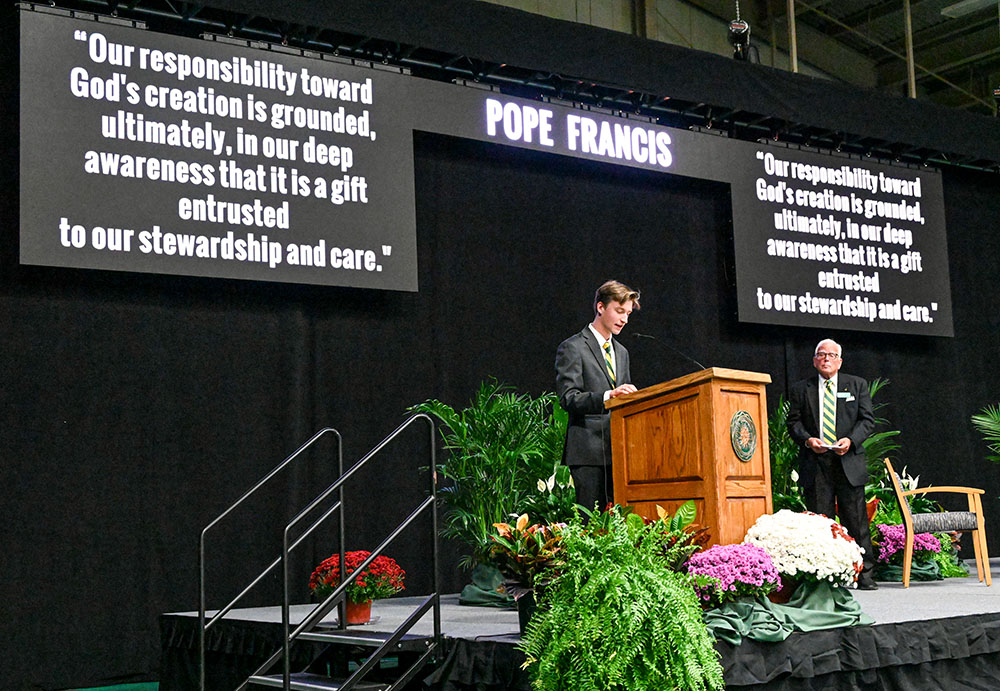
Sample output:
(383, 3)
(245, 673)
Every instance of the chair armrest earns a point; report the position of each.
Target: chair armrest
(953, 490)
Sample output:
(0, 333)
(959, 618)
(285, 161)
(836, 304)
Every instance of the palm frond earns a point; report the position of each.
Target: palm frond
(498, 448)
(987, 422)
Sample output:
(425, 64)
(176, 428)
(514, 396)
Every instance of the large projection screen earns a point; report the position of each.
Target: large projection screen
(156, 153)
(837, 242)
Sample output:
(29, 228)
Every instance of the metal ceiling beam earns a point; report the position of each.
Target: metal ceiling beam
(902, 57)
(945, 56)
(869, 15)
(960, 9)
(911, 78)
(946, 33)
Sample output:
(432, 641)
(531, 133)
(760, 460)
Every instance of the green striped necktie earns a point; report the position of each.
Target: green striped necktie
(829, 414)
(607, 361)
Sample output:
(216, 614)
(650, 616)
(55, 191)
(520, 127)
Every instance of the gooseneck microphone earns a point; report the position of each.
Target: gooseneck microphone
(636, 334)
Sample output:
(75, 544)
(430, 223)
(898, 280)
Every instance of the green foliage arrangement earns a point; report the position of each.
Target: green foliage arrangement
(498, 449)
(947, 559)
(987, 422)
(523, 552)
(882, 443)
(888, 507)
(617, 616)
(785, 491)
(555, 500)
(888, 512)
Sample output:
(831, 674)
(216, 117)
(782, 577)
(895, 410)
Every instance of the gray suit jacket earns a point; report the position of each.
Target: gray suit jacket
(855, 420)
(581, 380)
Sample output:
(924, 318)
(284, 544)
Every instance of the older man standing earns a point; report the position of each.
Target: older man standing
(830, 416)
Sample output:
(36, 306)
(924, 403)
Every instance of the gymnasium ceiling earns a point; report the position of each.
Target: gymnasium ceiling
(956, 44)
(854, 41)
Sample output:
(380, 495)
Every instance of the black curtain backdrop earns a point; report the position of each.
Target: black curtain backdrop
(135, 408)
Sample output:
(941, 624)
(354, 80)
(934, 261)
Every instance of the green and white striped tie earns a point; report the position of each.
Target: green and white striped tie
(829, 415)
(607, 362)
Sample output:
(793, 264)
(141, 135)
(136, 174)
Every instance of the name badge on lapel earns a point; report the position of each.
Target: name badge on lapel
(846, 395)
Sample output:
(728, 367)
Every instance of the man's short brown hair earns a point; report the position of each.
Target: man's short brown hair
(616, 291)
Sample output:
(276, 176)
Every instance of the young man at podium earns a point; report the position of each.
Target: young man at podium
(591, 367)
(830, 416)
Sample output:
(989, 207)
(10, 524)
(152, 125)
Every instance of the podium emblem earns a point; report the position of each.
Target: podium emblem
(743, 434)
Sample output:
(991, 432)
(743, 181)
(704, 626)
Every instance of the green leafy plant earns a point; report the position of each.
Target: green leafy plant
(987, 422)
(947, 559)
(555, 500)
(887, 511)
(616, 616)
(888, 507)
(881, 443)
(785, 491)
(681, 539)
(523, 552)
(498, 449)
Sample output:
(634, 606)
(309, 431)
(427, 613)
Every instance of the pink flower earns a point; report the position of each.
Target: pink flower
(893, 542)
(741, 569)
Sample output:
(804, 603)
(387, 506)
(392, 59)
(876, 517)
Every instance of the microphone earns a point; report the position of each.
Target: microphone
(636, 334)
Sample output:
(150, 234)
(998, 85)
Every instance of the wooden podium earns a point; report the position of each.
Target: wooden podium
(702, 436)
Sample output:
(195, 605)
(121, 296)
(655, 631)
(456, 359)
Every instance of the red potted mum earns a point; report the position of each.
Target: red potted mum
(381, 579)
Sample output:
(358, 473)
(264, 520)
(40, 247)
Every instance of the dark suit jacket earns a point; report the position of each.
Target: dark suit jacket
(855, 420)
(581, 380)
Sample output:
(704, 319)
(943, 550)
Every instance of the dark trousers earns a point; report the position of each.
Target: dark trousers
(831, 488)
(593, 485)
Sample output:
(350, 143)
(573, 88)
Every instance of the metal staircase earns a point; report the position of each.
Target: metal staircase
(412, 652)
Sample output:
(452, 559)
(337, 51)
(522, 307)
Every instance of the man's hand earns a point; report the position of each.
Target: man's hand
(621, 390)
(815, 445)
(842, 446)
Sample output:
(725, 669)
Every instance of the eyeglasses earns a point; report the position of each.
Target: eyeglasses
(826, 356)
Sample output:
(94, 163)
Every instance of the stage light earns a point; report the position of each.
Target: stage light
(739, 37)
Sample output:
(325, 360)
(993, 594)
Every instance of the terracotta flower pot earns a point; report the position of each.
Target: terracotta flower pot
(358, 612)
(783, 594)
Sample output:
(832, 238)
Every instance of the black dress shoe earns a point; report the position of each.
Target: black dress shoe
(867, 584)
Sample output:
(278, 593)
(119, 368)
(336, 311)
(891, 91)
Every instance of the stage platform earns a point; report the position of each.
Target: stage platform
(934, 635)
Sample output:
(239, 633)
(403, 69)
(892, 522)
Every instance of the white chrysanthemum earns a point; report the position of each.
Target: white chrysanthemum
(805, 543)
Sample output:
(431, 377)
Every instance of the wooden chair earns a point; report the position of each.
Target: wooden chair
(970, 521)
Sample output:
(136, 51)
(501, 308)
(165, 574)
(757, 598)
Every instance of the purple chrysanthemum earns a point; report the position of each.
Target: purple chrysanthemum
(740, 569)
(893, 541)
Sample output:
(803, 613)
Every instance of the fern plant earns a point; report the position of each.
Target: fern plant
(498, 449)
(987, 422)
(617, 617)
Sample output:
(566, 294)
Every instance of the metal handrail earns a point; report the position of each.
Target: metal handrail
(337, 597)
(203, 626)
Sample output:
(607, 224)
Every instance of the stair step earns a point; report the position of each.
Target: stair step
(372, 639)
(304, 681)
